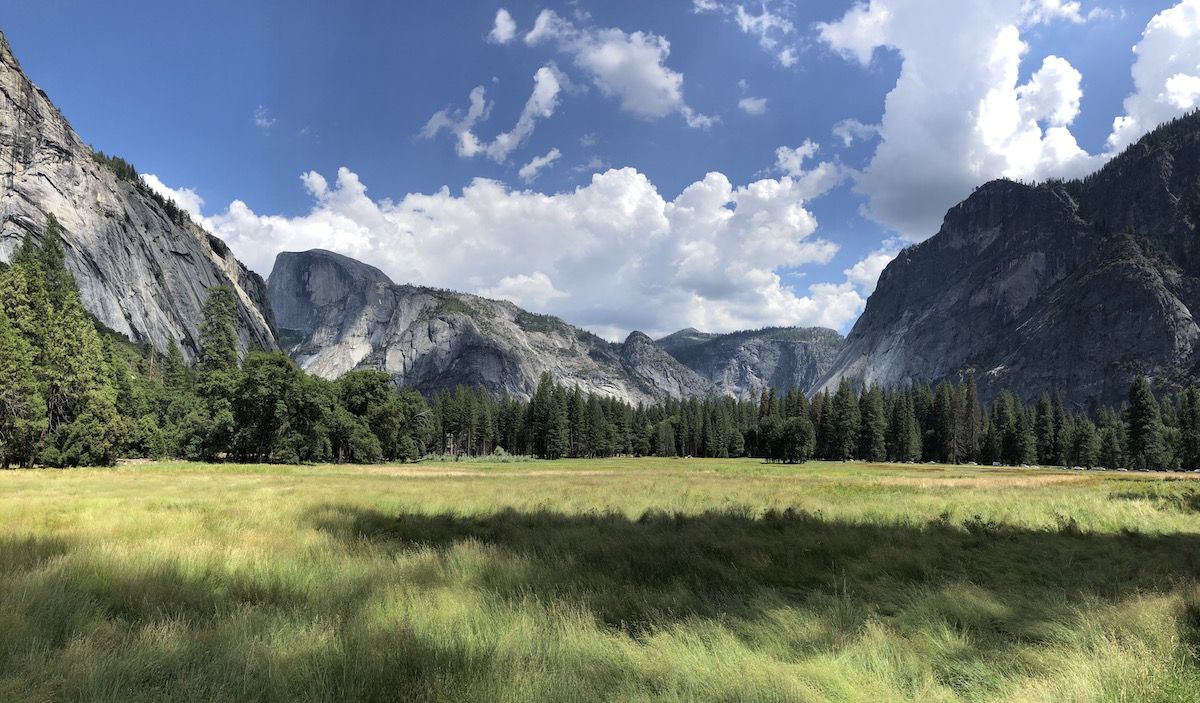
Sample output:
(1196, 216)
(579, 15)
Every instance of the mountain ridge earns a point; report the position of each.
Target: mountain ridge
(1063, 287)
(343, 315)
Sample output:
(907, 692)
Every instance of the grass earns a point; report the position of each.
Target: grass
(617, 580)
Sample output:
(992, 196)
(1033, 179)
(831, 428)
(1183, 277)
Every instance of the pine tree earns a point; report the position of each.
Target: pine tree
(845, 422)
(1144, 428)
(872, 444)
(970, 423)
(59, 282)
(1044, 430)
(218, 331)
(22, 409)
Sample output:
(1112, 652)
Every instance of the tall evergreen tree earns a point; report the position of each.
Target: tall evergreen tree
(1144, 428)
(218, 331)
(872, 444)
(22, 409)
(845, 422)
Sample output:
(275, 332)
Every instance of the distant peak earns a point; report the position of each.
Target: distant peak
(636, 337)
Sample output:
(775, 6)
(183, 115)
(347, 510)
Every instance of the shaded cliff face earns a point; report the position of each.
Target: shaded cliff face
(1070, 288)
(744, 363)
(338, 314)
(139, 272)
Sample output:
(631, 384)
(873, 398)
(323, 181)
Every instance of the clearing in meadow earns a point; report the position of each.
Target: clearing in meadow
(630, 580)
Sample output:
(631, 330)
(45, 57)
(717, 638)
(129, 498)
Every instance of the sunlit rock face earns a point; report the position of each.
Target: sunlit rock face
(141, 270)
(336, 314)
(1071, 288)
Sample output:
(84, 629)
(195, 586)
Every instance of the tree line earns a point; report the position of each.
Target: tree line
(944, 423)
(73, 393)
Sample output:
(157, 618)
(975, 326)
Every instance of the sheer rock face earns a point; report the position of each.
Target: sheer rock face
(336, 314)
(744, 363)
(1070, 288)
(138, 272)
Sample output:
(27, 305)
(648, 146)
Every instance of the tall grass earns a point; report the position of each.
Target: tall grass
(629, 580)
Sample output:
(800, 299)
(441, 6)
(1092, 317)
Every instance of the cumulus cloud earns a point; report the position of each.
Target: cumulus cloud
(1166, 73)
(530, 171)
(851, 130)
(628, 66)
(504, 29)
(753, 106)
(186, 198)
(612, 255)
(548, 83)
(810, 183)
(958, 108)
(766, 20)
(864, 274)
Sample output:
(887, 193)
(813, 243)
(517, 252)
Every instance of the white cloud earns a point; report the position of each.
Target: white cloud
(530, 171)
(503, 29)
(865, 273)
(859, 32)
(629, 66)
(1045, 11)
(958, 109)
(186, 198)
(534, 290)
(612, 255)
(810, 183)
(790, 161)
(766, 20)
(753, 106)
(1166, 73)
(543, 101)
(850, 130)
(263, 119)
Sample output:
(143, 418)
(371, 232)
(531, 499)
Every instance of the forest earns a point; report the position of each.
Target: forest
(73, 393)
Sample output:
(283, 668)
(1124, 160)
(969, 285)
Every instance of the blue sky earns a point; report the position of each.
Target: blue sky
(246, 111)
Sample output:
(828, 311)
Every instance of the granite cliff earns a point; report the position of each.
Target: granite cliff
(142, 266)
(1064, 287)
(336, 314)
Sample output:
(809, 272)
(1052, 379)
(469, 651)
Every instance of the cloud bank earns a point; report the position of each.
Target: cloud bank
(612, 255)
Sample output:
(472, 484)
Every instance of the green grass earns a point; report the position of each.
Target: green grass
(612, 580)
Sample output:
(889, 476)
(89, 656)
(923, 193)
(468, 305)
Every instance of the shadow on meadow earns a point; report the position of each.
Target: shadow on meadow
(1006, 584)
(75, 624)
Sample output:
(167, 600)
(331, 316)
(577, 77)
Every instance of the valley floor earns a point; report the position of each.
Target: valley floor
(630, 580)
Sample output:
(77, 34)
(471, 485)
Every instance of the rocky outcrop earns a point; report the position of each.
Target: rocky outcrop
(336, 314)
(1064, 287)
(142, 267)
(744, 363)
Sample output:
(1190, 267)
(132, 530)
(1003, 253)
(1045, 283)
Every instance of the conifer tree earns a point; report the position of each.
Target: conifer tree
(218, 331)
(872, 445)
(1144, 428)
(22, 409)
(845, 422)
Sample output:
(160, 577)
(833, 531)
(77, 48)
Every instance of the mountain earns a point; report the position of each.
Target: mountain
(336, 314)
(1064, 287)
(742, 363)
(142, 266)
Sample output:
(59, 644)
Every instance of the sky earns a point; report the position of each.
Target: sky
(717, 164)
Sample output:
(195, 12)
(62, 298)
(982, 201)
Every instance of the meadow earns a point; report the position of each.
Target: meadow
(607, 580)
